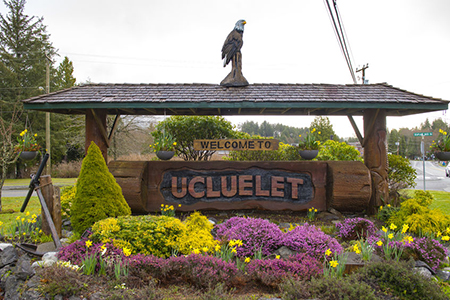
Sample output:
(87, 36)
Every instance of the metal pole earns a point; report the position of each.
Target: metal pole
(422, 148)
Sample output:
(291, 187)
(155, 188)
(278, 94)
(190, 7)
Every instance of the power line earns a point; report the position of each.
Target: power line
(340, 35)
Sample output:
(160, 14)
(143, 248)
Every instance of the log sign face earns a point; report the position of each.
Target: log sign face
(189, 187)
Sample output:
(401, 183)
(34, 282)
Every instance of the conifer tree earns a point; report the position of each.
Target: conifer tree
(98, 195)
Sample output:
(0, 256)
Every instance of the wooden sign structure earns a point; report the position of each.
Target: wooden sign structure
(230, 185)
(236, 144)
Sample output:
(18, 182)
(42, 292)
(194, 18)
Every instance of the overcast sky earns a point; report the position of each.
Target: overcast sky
(405, 42)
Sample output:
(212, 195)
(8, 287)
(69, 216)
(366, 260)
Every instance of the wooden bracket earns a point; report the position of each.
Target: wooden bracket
(356, 129)
(113, 128)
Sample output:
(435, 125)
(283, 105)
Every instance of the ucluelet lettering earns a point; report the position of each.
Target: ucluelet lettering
(188, 186)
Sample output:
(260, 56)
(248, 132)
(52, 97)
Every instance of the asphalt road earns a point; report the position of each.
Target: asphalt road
(434, 176)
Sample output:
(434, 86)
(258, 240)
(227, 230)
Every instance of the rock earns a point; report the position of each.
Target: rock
(23, 270)
(11, 288)
(326, 216)
(424, 272)
(336, 213)
(284, 252)
(8, 256)
(38, 264)
(46, 247)
(4, 245)
(421, 264)
(443, 275)
(50, 256)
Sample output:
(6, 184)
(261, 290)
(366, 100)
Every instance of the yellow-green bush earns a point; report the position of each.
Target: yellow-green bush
(67, 198)
(98, 196)
(157, 235)
(197, 235)
(418, 216)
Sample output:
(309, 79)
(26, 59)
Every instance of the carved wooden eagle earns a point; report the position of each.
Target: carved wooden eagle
(233, 43)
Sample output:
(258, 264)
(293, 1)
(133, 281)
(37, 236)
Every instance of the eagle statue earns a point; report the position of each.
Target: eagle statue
(231, 51)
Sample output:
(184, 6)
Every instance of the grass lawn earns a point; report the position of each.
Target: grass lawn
(441, 200)
(11, 209)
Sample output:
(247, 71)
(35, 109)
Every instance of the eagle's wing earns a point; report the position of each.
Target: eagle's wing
(232, 45)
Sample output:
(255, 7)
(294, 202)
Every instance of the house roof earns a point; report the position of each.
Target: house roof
(255, 99)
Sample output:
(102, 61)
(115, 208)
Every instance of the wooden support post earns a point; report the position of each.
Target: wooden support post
(47, 191)
(57, 218)
(375, 156)
(96, 130)
(53, 202)
(46, 197)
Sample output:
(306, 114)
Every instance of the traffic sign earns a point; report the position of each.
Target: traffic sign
(423, 134)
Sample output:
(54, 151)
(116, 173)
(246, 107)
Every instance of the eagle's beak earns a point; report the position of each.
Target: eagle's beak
(244, 22)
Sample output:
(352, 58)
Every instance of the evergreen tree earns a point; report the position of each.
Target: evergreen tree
(98, 195)
(64, 75)
(25, 51)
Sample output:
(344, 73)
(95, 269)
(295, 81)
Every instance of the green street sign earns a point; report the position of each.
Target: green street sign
(423, 134)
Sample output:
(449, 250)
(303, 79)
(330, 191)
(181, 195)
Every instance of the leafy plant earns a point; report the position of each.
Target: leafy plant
(186, 129)
(311, 140)
(400, 175)
(334, 150)
(163, 142)
(27, 142)
(443, 144)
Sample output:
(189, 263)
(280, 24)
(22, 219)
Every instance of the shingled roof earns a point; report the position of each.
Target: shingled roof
(255, 99)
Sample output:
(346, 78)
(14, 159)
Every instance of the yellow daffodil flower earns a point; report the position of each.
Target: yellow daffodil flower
(405, 228)
(328, 252)
(88, 243)
(247, 260)
(393, 226)
(380, 243)
(334, 263)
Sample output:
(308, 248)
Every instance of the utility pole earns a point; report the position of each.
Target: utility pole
(47, 119)
(363, 70)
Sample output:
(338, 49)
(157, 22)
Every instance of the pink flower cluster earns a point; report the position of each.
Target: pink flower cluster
(256, 234)
(355, 228)
(261, 234)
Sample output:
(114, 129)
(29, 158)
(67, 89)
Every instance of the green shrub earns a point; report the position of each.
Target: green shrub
(156, 235)
(418, 216)
(400, 175)
(399, 279)
(327, 288)
(98, 196)
(334, 150)
(67, 198)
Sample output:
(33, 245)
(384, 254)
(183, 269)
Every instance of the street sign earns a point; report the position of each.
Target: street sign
(423, 134)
